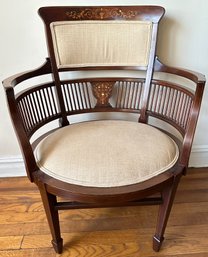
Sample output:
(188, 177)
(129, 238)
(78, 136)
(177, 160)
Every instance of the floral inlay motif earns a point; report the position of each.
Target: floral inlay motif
(102, 92)
(101, 13)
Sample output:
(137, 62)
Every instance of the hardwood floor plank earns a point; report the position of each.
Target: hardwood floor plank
(21, 207)
(80, 250)
(19, 197)
(43, 252)
(10, 242)
(16, 183)
(136, 234)
(103, 241)
(96, 237)
(86, 220)
(104, 250)
(182, 214)
(205, 254)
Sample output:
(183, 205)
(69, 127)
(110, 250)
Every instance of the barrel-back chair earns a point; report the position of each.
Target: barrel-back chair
(110, 125)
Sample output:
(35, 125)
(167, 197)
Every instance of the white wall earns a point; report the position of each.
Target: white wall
(183, 39)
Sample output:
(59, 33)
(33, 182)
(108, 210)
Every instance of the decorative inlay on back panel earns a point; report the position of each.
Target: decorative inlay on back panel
(80, 95)
(102, 92)
(101, 13)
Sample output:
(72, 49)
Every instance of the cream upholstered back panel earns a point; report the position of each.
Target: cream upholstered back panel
(101, 43)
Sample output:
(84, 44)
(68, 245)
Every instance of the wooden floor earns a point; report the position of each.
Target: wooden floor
(120, 232)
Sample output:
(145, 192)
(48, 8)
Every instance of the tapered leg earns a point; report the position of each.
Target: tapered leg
(49, 202)
(168, 196)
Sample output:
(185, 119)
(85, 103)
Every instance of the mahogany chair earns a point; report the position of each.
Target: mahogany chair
(75, 142)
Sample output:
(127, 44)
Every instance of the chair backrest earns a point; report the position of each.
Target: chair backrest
(102, 38)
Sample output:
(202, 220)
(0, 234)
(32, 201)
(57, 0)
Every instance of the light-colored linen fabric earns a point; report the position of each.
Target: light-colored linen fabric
(101, 43)
(106, 153)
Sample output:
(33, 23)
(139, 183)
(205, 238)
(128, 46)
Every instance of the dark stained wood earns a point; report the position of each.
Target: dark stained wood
(55, 99)
(150, 13)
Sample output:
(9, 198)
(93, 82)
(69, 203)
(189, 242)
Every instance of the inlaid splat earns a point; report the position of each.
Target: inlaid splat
(102, 91)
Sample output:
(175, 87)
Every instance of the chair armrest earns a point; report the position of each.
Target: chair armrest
(12, 81)
(192, 75)
(199, 80)
(190, 130)
(23, 139)
(24, 142)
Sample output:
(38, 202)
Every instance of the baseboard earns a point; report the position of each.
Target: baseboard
(199, 156)
(13, 166)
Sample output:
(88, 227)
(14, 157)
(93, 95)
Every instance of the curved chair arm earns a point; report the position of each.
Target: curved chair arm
(24, 142)
(199, 80)
(12, 81)
(189, 74)
(189, 135)
(23, 139)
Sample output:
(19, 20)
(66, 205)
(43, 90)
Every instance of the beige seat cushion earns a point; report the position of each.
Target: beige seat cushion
(106, 153)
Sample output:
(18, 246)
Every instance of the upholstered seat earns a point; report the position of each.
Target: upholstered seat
(105, 154)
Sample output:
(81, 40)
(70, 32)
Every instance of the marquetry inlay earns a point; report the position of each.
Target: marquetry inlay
(102, 91)
(101, 13)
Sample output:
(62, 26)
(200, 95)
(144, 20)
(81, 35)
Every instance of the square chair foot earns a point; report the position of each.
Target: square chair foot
(58, 245)
(157, 243)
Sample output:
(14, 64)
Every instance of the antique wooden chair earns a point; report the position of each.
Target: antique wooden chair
(76, 143)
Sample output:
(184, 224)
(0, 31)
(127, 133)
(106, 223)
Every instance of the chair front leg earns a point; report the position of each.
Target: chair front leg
(49, 202)
(168, 195)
